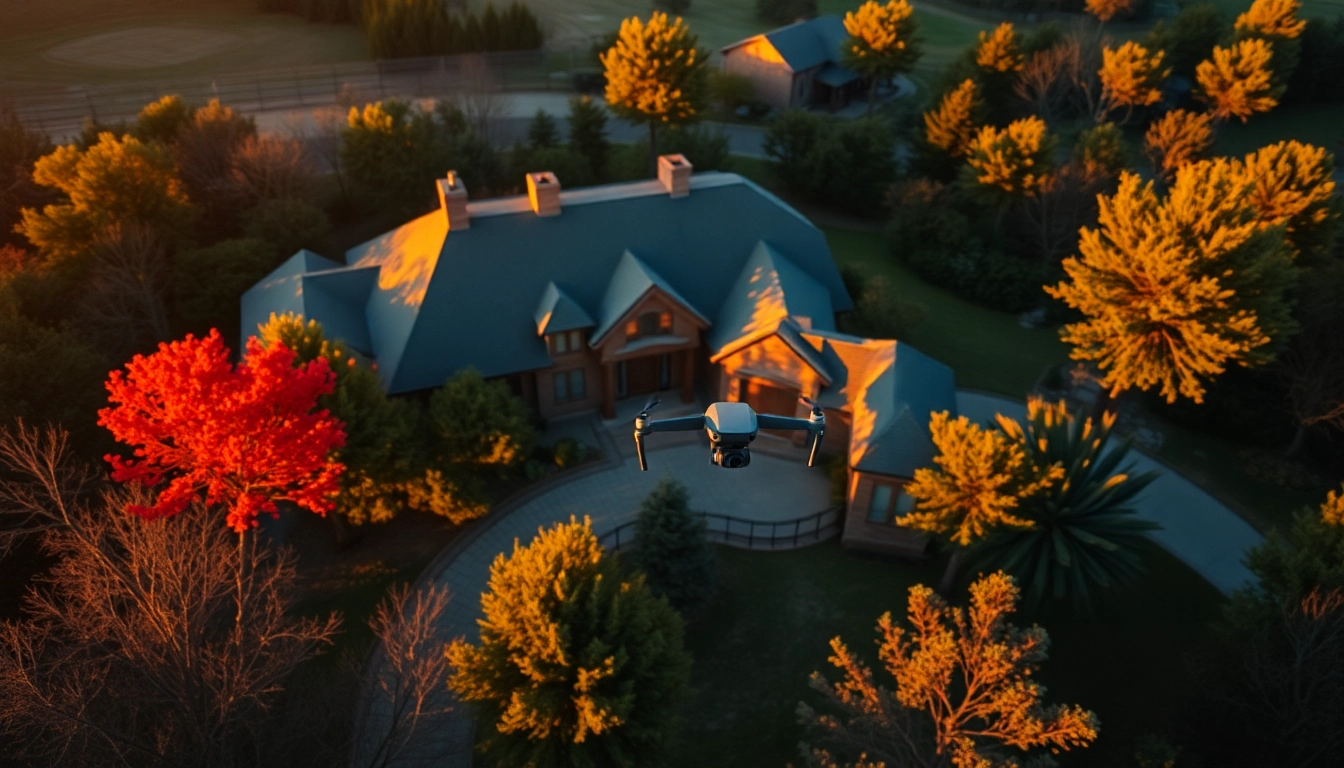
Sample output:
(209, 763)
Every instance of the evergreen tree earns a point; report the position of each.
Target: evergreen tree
(479, 424)
(576, 665)
(542, 132)
(671, 547)
(588, 134)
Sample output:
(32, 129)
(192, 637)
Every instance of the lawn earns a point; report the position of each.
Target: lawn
(988, 350)
(1325, 9)
(1319, 124)
(768, 627)
(69, 42)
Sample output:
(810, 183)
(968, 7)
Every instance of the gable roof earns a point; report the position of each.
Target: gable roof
(557, 312)
(805, 44)
(892, 389)
(629, 282)
(769, 289)
(318, 289)
(439, 301)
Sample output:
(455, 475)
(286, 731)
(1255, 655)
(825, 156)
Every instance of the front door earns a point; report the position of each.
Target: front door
(644, 375)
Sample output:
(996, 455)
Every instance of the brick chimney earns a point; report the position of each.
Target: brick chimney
(674, 171)
(453, 201)
(543, 190)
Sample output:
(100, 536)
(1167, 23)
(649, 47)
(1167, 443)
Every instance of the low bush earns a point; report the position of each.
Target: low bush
(570, 452)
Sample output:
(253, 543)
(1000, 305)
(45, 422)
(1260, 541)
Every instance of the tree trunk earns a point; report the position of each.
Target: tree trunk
(951, 573)
(872, 94)
(653, 149)
(345, 532)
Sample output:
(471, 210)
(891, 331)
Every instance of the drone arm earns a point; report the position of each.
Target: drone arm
(770, 421)
(678, 424)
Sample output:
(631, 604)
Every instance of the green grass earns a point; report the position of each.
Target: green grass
(1325, 9)
(768, 627)
(1319, 124)
(988, 350)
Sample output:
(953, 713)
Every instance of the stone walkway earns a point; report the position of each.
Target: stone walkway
(777, 486)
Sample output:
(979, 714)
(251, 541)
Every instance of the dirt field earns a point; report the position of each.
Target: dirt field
(63, 42)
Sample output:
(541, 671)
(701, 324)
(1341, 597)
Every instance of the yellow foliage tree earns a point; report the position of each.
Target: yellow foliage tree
(951, 126)
(1292, 185)
(1016, 159)
(1238, 81)
(881, 42)
(1105, 10)
(655, 75)
(963, 681)
(1177, 139)
(1272, 18)
(1131, 77)
(1332, 511)
(1175, 290)
(982, 476)
(999, 51)
(578, 664)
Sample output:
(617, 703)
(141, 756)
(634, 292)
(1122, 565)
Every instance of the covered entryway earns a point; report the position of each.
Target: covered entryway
(643, 375)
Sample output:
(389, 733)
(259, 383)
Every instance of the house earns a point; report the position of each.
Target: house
(798, 65)
(580, 299)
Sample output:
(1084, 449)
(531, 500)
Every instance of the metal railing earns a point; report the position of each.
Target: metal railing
(53, 109)
(749, 534)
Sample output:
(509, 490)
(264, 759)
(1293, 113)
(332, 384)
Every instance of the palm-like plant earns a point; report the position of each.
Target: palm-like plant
(1084, 532)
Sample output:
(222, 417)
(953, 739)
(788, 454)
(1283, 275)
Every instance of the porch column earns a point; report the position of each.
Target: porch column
(608, 390)
(688, 377)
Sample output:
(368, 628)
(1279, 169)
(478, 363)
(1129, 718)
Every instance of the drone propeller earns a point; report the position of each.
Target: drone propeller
(816, 409)
(649, 406)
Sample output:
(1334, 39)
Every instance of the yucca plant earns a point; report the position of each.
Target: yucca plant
(1085, 534)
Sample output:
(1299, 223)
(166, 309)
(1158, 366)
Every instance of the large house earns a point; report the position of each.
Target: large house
(583, 298)
(797, 66)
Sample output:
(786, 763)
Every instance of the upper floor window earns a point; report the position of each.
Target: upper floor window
(649, 324)
(889, 502)
(565, 343)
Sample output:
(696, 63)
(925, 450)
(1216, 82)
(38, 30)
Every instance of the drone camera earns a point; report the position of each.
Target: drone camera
(731, 458)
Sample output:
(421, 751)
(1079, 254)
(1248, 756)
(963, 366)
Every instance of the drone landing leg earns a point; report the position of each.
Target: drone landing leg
(639, 449)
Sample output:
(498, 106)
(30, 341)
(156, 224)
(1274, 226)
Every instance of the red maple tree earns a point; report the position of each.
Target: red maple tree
(247, 436)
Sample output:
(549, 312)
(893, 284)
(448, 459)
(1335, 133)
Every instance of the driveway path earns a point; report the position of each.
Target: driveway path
(1196, 528)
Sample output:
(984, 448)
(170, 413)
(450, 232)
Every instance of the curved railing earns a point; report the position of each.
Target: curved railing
(748, 534)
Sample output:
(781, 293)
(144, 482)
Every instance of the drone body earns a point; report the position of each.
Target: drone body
(731, 427)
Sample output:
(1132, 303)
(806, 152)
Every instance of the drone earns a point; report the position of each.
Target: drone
(731, 428)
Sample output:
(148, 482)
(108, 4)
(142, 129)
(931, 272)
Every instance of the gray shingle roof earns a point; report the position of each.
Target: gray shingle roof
(556, 312)
(438, 302)
(769, 289)
(807, 44)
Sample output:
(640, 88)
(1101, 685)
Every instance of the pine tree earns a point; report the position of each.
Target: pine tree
(588, 134)
(576, 665)
(1000, 51)
(882, 42)
(1238, 81)
(1174, 290)
(542, 132)
(671, 547)
(1177, 139)
(655, 75)
(951, 127)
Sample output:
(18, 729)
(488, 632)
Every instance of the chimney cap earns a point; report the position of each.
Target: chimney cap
(543, 192)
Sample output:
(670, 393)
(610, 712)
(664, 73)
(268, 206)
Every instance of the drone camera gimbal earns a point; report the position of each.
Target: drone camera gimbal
(731, 428)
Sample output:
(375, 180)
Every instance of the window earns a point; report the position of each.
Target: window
(889, 502)
(575, 341)
(576, 384)
(558, 341)
(568, 385)
(648, 324)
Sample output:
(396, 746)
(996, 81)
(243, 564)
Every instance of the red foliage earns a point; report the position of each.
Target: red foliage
(247, 436)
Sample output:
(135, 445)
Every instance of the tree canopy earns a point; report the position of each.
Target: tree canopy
(1238, 81)
(951, 126)
(577, 664)
(1177, 139)
(1017, 159)
(999, 51)
(882, 41)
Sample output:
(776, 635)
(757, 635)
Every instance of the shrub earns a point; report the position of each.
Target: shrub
(570, 452)
(671, 547)
(289, 223)
(842, 164)
(207, 282)
(730, 90)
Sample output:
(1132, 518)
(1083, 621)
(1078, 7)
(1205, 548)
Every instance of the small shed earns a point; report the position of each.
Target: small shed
(797, 66)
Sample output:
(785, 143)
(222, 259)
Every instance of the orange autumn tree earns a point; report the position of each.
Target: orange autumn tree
(951, 126)
(1175, 290)
(964, 691)
(881, 42)
(1271, 18)
(999, 51)
(1130, 77)
(1238, 81)
(1177, 139)
(1105, 10)
(1293, 186)
(981, 478)
(243, 436)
